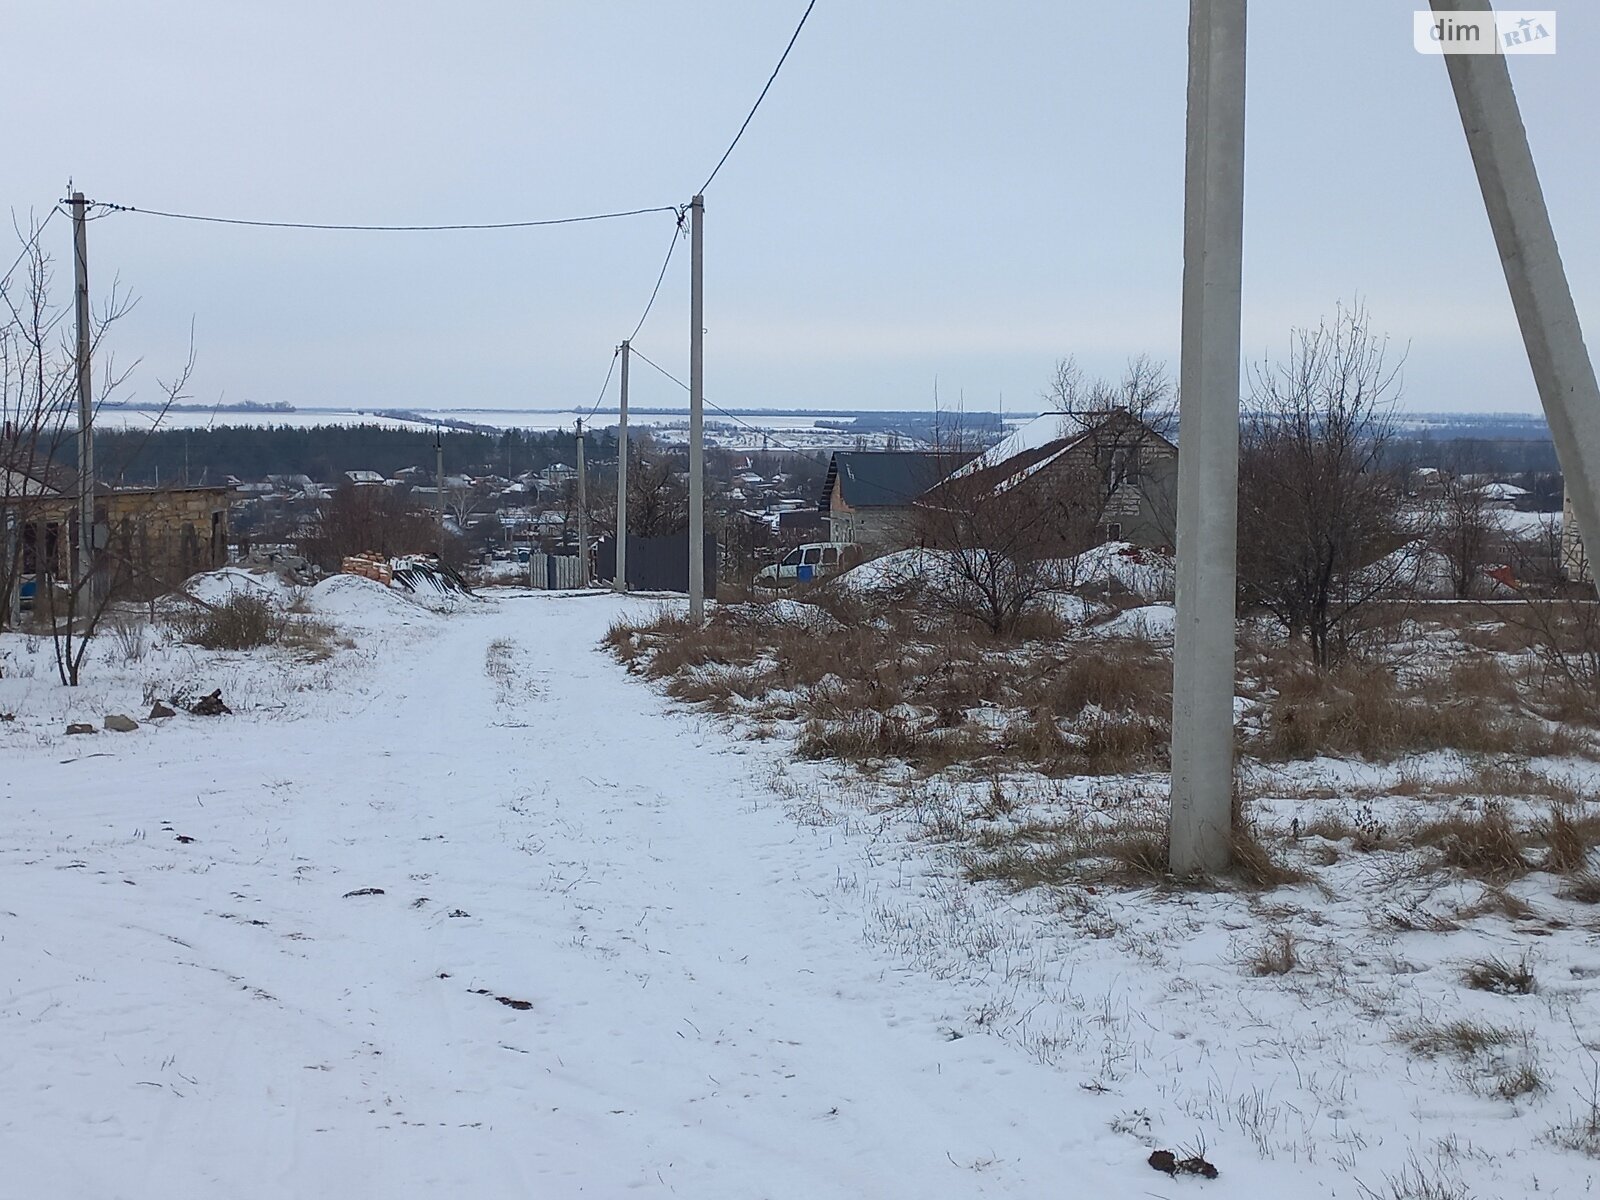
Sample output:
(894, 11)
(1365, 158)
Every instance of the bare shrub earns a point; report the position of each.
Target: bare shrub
(130, 636)
(242, 622)
(1318, 504)
(1500, 977)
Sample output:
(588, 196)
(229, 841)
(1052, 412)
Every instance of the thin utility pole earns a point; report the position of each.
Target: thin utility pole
(1208, 422)
(85, 372)
(697, 450)
(438, 482)
(1540, 293)
(620, 583)
(14, 560)
(583, 513)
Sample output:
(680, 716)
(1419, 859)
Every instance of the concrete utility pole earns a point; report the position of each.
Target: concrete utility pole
(1208, 426)
(620, 583)
(697, 449)
(438, 481)
(85, 380)
(1562, 369)
(583, 514)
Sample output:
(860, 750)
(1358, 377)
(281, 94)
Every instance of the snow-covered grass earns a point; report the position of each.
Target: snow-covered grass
(467, 909)
(1325, 1009)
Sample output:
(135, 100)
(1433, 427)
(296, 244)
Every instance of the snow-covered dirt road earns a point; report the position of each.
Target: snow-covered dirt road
(490, 920)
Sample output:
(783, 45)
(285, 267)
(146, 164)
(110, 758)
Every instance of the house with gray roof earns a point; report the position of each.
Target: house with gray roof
(869, 496)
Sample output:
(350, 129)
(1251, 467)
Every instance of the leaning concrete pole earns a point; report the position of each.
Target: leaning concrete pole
(1562, 369)
(1208, 427)
(697, 448)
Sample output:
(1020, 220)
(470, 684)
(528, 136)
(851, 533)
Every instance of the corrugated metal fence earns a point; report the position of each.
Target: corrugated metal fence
(656, 564)
(555, 571)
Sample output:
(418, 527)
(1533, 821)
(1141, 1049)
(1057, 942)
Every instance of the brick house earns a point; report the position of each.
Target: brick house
(149, 539)
(1112, 476)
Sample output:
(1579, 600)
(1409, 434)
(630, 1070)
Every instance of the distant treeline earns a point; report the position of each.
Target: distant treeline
(1478, 455)
(326, 452)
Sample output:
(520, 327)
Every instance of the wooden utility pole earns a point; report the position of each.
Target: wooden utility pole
(438, 481)
(1208, 465)
(583, 514)
(620, 583)
(85, 381)
(697, 450)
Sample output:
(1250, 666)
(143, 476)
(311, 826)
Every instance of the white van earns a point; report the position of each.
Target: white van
(803, 564)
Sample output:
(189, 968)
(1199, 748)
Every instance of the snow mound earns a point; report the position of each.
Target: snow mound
(1121, 567)
(1116, 567)
(904, 568)
(218, 587)
(357, 598)
(1153, 622)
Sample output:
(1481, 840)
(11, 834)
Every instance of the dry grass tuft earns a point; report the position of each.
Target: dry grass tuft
(1584, 888)
(865, 735)
(1481, 844)
(1461, 1039)
(1278, 955)
(1568, 840)
(1359, 710)
(1500, 977)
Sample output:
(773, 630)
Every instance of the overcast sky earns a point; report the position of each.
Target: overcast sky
(933, 191)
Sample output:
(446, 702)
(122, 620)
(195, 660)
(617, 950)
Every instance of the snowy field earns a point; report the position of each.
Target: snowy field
(460, 909)
(497, 418)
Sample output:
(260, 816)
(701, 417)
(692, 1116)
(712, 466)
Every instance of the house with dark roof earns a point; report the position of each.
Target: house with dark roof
(869, 496)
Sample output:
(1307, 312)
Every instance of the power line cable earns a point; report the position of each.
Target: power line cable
(766, 434)
(530, 224)
(601, 397)
(665, 263)
(751, 115)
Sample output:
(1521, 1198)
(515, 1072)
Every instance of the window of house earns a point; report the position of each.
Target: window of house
(1114, 531)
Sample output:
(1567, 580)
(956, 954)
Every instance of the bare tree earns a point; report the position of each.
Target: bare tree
(373, 520)
(1126, 421)
(38, 452)
(1465, 532)
(658, 500)
(987, 542)
(1318, 510)
(1144, 391)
